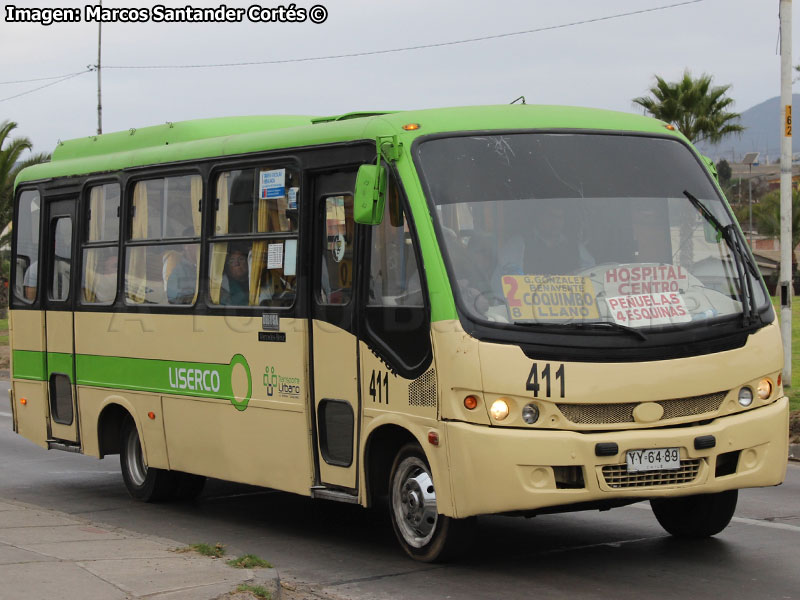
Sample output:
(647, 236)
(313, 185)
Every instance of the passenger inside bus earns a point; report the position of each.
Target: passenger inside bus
(541, 242)
(235, 288)
(182, 280)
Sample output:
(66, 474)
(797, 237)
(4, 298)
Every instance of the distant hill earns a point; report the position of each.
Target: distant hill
(763, 124)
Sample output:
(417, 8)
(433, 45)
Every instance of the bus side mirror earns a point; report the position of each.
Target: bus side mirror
(370, 195)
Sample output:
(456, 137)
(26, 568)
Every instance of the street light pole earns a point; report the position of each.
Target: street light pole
(99, 101)
(786, 189)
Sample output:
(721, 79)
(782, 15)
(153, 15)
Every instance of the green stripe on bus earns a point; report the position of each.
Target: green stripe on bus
(58, 362)
(29, 364)
(204, 380)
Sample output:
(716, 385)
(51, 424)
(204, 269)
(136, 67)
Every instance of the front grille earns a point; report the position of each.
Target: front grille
(617, 476)
(622, 412)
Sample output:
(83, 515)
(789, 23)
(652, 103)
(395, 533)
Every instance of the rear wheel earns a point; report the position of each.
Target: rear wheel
(144, 483)
(695, 517)
(423, 533)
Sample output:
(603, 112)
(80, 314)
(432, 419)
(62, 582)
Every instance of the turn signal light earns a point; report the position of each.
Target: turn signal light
(23, 401)
(151, 415)
(433, 438)
(470, 402)
(780, 379)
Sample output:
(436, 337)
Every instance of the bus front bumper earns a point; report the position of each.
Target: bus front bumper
(496, 469)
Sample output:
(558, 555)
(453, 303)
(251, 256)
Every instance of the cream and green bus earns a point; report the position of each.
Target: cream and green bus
(465, 311)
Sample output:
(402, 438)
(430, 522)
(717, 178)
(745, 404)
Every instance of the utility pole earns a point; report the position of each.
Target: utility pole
(785, 13)
(99, 98)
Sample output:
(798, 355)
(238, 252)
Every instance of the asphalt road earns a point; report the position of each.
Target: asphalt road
(351, 553)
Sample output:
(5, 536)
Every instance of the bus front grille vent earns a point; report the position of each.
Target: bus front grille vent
(622, 412)
(617, 476)
(422, 391)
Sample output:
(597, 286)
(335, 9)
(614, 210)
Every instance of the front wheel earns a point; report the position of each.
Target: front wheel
(144, 483)
(423, 533)
(695, 517)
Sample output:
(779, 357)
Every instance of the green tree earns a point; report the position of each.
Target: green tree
(767, 215)
(724, 172)
(696, 108)
(10, 165)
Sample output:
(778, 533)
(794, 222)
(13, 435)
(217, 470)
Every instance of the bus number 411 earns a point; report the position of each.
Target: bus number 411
(377, 387)
(533, 385)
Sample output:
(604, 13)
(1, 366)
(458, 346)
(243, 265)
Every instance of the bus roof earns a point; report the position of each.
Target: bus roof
(230, 136)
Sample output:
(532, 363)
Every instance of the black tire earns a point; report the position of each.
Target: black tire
(188, 486)
(694, 517)
(144, 483)
(423, 533)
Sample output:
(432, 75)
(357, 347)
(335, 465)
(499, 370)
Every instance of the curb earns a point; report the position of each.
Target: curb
(794, 452)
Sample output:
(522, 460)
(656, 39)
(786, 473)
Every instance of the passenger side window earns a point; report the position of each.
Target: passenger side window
(26, 275)
(394, 275)
(100, 252)
(258, 267)
(395, 320)
(163, 251)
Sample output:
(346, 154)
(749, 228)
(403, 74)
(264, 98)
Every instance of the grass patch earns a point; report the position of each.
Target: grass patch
(249, 561)
(259, 591)
(215, 551)
(793, 392)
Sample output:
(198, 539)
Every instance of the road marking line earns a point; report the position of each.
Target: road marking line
(742, 520)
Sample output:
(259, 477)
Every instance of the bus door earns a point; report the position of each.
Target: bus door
(336, 397)
(59, 327)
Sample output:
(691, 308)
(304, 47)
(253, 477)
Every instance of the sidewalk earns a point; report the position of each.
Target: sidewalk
(46, 554)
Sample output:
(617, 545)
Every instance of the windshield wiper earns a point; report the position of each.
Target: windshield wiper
(608, 325)
(730, 234)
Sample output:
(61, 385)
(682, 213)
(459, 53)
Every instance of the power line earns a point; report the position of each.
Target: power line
(41, 78)
(41, 87)
(409, 48)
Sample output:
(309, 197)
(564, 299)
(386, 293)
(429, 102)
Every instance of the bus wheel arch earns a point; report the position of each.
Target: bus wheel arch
(109, 428)
(381, 448)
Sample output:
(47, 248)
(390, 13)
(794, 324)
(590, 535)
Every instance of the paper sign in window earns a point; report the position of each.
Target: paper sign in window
(549, 297)
(272, 184)
(275, 256)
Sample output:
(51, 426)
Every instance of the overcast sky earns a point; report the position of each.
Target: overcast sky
(600, 64)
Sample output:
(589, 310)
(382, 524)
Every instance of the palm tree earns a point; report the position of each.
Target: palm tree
(10, 166)
(695, 107)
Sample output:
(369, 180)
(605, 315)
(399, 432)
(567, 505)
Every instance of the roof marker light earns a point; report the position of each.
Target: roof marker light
(670, 126)
(411, 126)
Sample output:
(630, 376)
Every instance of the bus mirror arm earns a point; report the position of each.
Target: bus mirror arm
(370, 194)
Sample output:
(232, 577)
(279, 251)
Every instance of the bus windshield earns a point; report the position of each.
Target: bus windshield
(588, 228)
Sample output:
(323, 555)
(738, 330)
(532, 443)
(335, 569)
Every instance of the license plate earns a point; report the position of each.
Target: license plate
(654, 459)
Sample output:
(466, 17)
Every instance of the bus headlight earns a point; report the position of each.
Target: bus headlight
(499, 409)
(764, 390)
(745, 396)
(530, 414)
